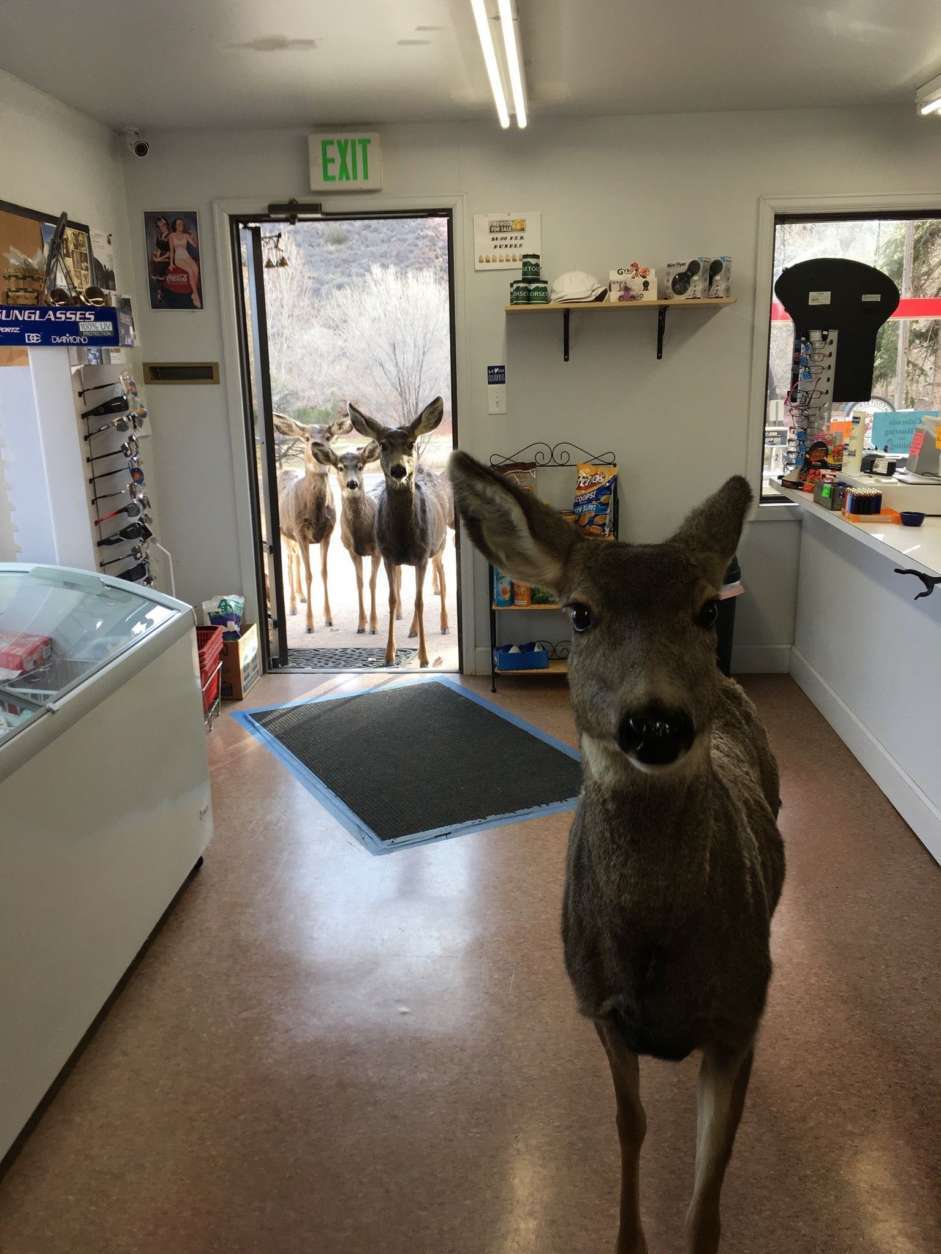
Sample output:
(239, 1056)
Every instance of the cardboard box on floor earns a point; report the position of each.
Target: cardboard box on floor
(241, 664)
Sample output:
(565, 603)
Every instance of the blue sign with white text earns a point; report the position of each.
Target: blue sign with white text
(60, 326)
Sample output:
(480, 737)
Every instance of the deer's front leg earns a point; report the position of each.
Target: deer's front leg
(374, 574)
(292, 580)
(305, 558)
(632, 1128)
(391, 575)
(720, 1099)
(324, 551)
(358, 563)
(442, 593)
(420, 568)
(398, 591)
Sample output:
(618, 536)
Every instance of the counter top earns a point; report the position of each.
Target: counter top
(917, 547)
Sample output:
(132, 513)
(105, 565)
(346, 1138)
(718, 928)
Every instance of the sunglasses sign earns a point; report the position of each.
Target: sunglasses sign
(62, 326)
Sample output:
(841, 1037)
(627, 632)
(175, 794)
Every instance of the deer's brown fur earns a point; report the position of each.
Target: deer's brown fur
(675, 864)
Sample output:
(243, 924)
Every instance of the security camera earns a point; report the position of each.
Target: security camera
(137, 145)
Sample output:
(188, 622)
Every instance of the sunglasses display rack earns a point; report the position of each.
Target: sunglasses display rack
(114, 436)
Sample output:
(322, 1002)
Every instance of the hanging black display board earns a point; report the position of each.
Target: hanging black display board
(832, 294)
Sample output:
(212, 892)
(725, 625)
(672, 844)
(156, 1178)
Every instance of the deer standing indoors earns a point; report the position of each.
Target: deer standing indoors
(357, 518)
(305, 506)
(675, 862)
(412, 515)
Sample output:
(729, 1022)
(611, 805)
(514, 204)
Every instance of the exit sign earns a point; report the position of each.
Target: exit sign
(345, 162)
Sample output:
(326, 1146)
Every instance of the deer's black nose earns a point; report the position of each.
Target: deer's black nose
(656, 736)
(397, 471)
(352, 484)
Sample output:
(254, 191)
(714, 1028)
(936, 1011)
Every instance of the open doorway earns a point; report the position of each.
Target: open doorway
(359, 309)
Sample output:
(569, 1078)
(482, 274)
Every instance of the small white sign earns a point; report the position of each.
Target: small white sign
(818, 298)
(345, 161)
(501, 239)
(872, 296)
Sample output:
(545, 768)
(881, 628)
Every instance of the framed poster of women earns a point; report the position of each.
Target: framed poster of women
(174, 264)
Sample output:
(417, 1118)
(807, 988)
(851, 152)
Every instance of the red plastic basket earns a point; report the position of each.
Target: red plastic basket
(209, 648)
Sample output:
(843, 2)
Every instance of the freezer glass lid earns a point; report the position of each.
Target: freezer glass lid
(56, 629)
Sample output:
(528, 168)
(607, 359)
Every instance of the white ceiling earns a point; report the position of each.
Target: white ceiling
(224, 63)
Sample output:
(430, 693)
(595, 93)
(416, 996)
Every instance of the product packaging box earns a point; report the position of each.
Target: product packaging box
(20, 651)
(719, 278)
(241, 664)
(633, 282)
(686, 280)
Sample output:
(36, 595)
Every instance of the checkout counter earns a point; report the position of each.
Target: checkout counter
(868, 653)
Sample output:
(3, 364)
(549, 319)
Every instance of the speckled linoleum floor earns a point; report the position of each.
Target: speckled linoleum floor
(323, 1051)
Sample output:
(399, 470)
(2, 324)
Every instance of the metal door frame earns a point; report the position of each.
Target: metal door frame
(296, 213)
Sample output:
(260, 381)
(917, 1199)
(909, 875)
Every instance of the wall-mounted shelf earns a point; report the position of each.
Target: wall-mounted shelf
(558, 666)
(630, 306)
(502, 609)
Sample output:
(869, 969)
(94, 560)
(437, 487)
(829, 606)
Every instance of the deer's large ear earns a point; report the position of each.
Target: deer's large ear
(287, 426)
(339, 426)
(323, 453)
(369, 452)
(712, 531)
(366, 425)
(516, 531)
(428, 419)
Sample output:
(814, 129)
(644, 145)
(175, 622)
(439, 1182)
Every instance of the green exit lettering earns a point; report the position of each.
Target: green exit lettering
(345, 160)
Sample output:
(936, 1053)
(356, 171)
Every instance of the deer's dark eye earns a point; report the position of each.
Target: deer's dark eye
(582, 617)
(708, 615)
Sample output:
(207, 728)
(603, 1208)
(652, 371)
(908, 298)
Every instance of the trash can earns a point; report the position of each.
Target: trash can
(725, 624)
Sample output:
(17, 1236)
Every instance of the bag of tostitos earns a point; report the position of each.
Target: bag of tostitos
(595, 493)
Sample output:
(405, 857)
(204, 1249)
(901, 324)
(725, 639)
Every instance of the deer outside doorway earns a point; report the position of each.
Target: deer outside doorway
(333, 311)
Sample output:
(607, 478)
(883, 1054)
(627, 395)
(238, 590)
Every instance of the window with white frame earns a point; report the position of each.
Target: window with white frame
(907, 374)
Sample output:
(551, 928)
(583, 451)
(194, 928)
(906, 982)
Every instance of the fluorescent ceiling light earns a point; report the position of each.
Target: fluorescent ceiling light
(485, 36)
(928, 98)
(514, 61)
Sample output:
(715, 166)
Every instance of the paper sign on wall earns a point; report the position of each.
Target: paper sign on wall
(345, 161)
(501, 239)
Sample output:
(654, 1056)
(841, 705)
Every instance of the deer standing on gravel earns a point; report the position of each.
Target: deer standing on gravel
(411, 517)
(675, 862)
(305, 506)
(357, 518)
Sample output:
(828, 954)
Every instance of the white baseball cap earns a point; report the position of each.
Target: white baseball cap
(577, 285)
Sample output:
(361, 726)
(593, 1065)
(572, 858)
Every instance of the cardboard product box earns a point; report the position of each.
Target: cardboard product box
(241, 664)
(686, 280)
(633, 282)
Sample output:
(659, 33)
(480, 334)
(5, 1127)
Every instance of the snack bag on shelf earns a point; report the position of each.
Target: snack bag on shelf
(502, 588)
(595, 491)
(522, 594)
(544, 596)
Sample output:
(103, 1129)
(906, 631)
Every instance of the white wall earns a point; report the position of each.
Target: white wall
(610, 190)
(53, 158)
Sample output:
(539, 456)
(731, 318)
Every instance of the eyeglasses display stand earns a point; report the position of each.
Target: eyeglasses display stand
(114, 418)
(104, 798)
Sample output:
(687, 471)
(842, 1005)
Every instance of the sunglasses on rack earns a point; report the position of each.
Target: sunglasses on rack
(137, 574)
(134, 490)
(87, 296)
(113, 405)
(130, 448)
(124, 422)
(133, 509)
(138, 552)
(133, 468)
(124, 380)
(133, 531)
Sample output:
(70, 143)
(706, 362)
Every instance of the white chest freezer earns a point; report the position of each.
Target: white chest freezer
(104, 803)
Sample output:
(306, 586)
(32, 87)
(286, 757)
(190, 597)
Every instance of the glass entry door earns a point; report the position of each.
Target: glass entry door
(256, 390)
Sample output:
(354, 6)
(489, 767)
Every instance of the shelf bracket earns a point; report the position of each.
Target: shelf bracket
(565, 335)
(661, 327)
